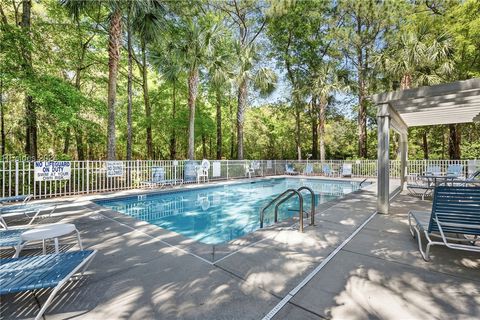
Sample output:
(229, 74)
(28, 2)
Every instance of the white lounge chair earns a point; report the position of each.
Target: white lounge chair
(32, 211)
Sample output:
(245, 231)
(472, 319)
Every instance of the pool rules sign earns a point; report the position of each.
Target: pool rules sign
(52, 170)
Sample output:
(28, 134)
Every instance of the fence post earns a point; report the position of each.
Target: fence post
(87, 168)
(274, 167)
(227, 169)
(16, 177)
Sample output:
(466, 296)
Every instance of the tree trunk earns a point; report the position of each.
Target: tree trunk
(425, 144)
(298, 130)
(362, 126)
(362, 108)
(232, 132)
(129, 87)
(321, 124)
(173, 138)
(242, 104)
(219, 125)
(406, 82)
(79, 143)
(30, 110)
(314, 117)
(114, 36)
(192, 97)
(204, 146)
(454, 142)
(146, 99)
(66, 145)
(2, 121)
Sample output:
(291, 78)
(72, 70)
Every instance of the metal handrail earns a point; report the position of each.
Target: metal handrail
(291, 193)
(262, 212)
(300, 212)
(312, 213)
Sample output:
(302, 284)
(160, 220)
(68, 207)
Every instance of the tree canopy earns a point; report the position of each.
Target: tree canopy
(234, 79)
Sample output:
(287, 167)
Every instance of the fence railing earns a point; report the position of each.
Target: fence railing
(17, 177)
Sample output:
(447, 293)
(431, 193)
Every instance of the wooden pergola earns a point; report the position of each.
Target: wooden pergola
(457, 102)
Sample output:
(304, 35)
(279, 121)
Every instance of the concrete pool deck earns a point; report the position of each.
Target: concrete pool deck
(138, 274)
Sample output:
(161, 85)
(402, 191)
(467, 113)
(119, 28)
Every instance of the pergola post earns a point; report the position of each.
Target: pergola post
(403, 158)
(383, 165)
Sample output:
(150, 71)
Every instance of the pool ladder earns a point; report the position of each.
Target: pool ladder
(284, 196)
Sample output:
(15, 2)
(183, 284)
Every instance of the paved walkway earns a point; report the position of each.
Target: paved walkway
(379, 274)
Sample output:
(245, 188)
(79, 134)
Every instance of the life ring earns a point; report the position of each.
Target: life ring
(205, 164)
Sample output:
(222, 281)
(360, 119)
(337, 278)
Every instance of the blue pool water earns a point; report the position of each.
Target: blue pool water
(218, 214)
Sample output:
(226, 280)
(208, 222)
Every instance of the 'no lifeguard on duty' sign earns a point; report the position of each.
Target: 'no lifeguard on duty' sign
(52, 170)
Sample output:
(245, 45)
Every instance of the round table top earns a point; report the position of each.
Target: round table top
(48, 231)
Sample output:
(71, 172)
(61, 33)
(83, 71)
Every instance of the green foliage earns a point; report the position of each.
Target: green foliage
(313, 45)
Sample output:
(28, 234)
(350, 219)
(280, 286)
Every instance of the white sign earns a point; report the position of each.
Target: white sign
(114, 169)
(52, 170)
(216, 171)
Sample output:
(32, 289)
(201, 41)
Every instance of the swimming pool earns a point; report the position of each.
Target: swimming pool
(221, 213)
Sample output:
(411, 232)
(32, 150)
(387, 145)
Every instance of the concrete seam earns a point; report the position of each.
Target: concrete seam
(160, 240)
(295, 290)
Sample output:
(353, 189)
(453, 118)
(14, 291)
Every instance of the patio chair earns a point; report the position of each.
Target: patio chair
(11, 237)
(202, 171)
(158, 179)
(433, 170)
(289, 169)
(327, 170)
(308, 169)
(249, 169)
(31, 211)
(347, 170)
(454, 170)
(23, 198)
(455, 210)
(41, 272)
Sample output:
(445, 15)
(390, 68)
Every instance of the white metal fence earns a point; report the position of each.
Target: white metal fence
(17, 177)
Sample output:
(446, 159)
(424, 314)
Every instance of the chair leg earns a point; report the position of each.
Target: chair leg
(79, 240)
(55, 240)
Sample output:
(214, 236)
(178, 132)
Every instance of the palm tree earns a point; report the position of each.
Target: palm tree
(195, 48)
(166, 58)
(220, 79)
(263, 79)
(147, 22)
(325, 81)
(76, 7)
(419, 57)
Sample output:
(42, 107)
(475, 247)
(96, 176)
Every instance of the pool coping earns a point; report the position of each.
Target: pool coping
(209, 253)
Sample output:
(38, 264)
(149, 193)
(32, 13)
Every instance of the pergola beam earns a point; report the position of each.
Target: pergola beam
(428, 91)
(457, 102)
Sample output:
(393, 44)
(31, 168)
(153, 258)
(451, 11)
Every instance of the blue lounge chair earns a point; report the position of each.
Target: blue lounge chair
(289, 169)
(32, 211)
(40, 272)
(433, 170)
(327, 171)
(11, 237)
(24, 199)
(455, 210)
(454, 170)
(158, 179)
(308, 169)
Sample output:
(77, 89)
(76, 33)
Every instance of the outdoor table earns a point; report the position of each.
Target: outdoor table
(52, 231)
(433, 180)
